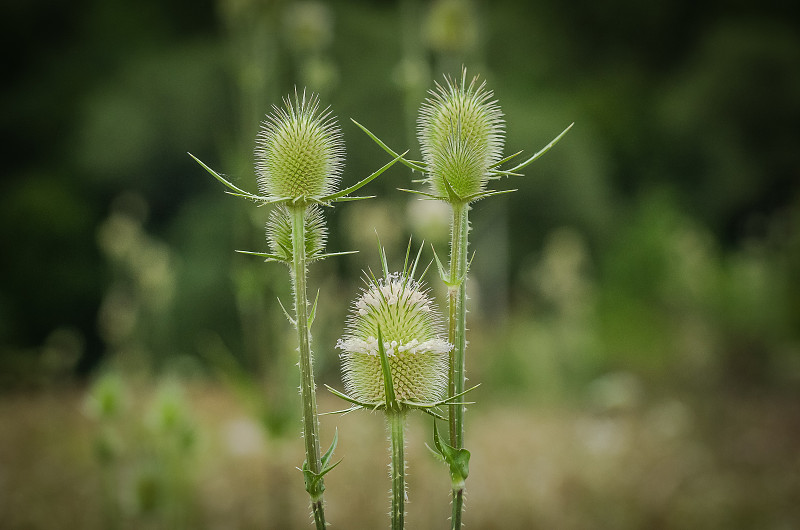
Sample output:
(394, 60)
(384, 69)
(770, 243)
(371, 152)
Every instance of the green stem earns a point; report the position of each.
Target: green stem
(457, 336)
(307, 386)
(397, 421)
(458, 507)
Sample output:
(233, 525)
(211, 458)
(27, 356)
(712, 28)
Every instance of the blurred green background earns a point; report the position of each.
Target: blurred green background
(635, 317)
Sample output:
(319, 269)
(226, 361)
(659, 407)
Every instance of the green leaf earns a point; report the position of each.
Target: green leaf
(416, 260)
(353, 199)
(388, 385)
(542, 151)
(326, 458)
(384, 263)
(218, 176)
(313, 312)
(424, 194)
(286, 313)
(314, 484)
(270, 257)
(258, 198)
(443, 274)
(332, 254)
(417, 166)
(496, 174)
(351, 400)
(447, 401)
(506, 159)
(341, 196)
(451, 193)
(483, 194)
(343, 411)
(456, 459)
(431, 413)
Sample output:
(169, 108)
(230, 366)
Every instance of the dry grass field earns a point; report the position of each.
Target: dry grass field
(667, 463)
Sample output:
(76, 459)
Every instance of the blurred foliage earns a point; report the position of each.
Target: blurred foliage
(677, 187)
(655, 250)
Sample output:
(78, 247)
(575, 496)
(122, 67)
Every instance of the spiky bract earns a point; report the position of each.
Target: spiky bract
(279, 233)
(299, 151)
(411, 332)
(461, 132)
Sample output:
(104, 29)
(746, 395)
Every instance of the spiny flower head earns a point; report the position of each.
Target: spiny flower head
(279, 233)
(299, 151)
(411, 332)
(461, 132)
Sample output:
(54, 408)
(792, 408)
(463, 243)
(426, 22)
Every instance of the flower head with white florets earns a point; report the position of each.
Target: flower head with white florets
(393, 351)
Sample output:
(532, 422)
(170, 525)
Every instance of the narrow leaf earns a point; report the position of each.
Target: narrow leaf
(258, 198)
(424, 194)
(353, 199)
(451, 193)
(382, 254)
(343, 411)
(457, 459)
(417, 166)
(327, 469)
(326, 458)
(355, 187)
(542, 151)
(267, 255)
(483, 194)
(349, 399)
(388, 385)
(437, 440)
(443, 274)
(312, 315)
(408, 253)
(506, 159)
(334, 254)
(416, 260)
(285, 312)
(433, 414)
(218, 176)
(497, 174)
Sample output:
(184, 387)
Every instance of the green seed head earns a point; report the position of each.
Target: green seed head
(299, 151)
(279, 233)
(411, 332)
(461, 132)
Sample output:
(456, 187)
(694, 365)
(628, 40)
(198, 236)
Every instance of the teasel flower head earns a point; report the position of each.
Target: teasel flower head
(299, 153)
(279, 234)
(394, 318)
(461, 132)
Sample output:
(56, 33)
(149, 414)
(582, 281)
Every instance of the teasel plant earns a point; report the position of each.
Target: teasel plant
(461, 131)
(299, 159)
(394, 359)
